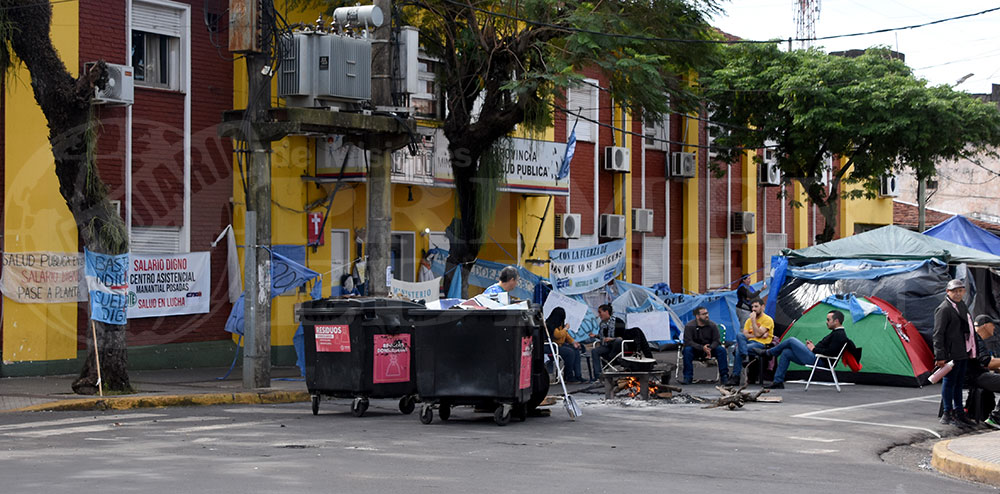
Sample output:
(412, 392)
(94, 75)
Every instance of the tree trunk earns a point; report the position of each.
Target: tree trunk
(65, 102)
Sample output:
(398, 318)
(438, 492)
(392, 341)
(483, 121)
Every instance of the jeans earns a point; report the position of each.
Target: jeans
(743, 347)
(718, 352)
(571, 359)
(788, 351)
(951, 387)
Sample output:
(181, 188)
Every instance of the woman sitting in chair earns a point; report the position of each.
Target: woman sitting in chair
(569, 349)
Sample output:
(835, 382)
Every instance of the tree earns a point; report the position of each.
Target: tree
(66, 103)
(869, 110)
(516, 59)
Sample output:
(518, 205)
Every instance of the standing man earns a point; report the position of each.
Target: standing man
(701, 338)
(508, 280)
(758, 332)
(792, 350)
(981, 367)
(954, 339)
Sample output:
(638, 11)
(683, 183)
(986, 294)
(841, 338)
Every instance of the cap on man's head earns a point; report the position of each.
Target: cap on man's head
(953, 284)
(985, 318)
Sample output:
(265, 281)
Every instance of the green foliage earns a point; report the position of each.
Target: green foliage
(7, 32)
(870, 110)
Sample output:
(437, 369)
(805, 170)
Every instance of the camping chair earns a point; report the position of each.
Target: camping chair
(831, 362)
(609, 365)
(552, 355)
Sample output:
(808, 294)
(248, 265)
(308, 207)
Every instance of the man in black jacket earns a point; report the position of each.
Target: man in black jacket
(702, 340)
(792, 350)
(953, 340)
(981, 368)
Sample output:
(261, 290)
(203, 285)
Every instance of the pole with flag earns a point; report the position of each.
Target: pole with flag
(562, 174)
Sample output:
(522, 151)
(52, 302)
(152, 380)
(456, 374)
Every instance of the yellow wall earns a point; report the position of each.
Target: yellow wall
(749, 193)
(33, 220)
(800, 217)
(623, 186)
(691, 243)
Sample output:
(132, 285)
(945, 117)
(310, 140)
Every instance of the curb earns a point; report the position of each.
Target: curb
(947, 461)
(205, 399)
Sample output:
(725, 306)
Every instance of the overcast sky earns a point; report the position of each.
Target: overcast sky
(942, 53)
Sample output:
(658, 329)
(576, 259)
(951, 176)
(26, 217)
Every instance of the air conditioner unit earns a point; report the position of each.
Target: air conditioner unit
(612, 226)
(769, 174)
(120, 88)
(642, 220)
(743, 222)
(568, 225)
(616, 159)
(682, 165)
(889, 186)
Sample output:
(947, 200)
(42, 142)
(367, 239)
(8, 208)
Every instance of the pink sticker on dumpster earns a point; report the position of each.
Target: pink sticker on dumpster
(526, 348)
(335, 338)
(391, 358)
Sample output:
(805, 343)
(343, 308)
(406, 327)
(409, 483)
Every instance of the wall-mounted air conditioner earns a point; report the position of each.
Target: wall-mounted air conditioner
(616, 159)
(769, 175)
(682, 165)
(889, 186)
(642, 220)
(742, 222)
(568, 225)
(612, 226)
(120, 89)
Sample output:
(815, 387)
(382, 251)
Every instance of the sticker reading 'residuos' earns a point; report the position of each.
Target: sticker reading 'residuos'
(334, 338)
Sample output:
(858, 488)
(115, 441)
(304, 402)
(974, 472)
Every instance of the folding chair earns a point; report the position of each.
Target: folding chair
(831, 362)
(609, 365)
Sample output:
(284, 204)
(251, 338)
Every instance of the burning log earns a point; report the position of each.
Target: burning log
(735, 398)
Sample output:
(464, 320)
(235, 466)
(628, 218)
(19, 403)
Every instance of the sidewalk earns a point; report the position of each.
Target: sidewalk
(975, 457)
(156, 388)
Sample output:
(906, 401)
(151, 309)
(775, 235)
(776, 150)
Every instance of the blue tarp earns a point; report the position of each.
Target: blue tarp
(859, 308)
(721, 307)
(960, 230)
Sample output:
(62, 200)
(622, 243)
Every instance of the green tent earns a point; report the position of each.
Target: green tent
(892, 243)
(893, 354)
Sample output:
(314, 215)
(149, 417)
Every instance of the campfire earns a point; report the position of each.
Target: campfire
(631, 387)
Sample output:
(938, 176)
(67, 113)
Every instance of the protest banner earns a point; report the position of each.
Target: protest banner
(169, 284)
(107, 281)
(575, 311)
(580, 270)
(43, 277)
(428, 291)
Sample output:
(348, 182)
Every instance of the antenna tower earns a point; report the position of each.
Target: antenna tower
(806, 15)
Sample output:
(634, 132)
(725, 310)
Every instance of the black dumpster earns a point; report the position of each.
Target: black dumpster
(359, 348)
(491, 359)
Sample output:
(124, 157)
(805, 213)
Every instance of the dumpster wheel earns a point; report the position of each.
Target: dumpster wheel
(315, 404)
(444, 411)
(502, 415)
(359, 406)
(407, 404)
(426, 414)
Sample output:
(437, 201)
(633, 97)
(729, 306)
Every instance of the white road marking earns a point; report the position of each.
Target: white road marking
(206, 428)
(817, 451)
(78, 420)
(816, 439)
(813, 414)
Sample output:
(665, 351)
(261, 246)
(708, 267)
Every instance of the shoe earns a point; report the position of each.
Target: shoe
(759, 351)
(684, 382)
(993, 422)
(947, 418)
(734, 380)
(780, 385)
(962, 419)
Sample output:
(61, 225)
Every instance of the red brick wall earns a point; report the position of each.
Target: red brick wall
(158, 159)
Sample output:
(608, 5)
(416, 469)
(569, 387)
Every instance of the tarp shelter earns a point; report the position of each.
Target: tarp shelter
(893, 352)
(960, 230)
(721, 307)
(916, 292)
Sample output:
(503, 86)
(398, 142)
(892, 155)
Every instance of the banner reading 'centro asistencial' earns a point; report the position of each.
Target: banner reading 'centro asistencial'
(584, 269)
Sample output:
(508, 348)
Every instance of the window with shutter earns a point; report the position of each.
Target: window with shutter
(582, 103)
(157, 31)
(156, 240)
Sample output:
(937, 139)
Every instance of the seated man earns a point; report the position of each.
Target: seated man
(758, 332)
(981, 366)
(609, 338)
(701, 339)
(792, 350)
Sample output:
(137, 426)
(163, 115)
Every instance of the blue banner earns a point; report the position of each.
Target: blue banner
(286, 275)
(107, 282)
(485, 273)
(584, 269)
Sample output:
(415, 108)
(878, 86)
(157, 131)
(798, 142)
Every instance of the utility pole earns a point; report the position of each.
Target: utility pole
(379, 184)
(921, 204)
(252, 37)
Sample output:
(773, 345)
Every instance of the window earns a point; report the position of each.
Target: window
(155, 60)
(581, 101)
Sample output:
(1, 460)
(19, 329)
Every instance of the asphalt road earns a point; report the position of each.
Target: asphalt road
(819, 441)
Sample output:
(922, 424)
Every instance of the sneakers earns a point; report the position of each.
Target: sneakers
(962, 420)
(684, 382)
(947, 418)
(780, 385)
(759, 351)
(993, 422)
(734, 380)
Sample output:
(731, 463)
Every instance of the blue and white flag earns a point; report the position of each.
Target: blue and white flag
(107, 282)
(568, 157)
(286, 275)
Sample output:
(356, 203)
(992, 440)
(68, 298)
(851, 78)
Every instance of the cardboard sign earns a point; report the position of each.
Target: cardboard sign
(334, 338)
(391, 358)
(526, 349)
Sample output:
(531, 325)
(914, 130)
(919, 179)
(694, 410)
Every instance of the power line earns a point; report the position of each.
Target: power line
(712, 41)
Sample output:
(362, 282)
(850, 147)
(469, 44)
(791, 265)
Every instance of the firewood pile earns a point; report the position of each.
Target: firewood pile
(734, 398)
